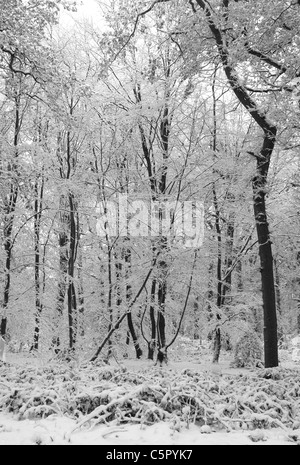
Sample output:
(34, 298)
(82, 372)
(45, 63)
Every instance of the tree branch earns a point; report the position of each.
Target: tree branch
(12, 59)
(139, 16)
(122, 317)
(266, 59)
(186, 302)
(239, 90)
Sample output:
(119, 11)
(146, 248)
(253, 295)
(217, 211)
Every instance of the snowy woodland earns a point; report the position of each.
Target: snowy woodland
(133, 336)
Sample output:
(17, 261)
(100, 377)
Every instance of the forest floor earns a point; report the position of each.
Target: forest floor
(132, 402)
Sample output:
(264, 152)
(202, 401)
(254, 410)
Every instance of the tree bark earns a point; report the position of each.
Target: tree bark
(138, 350)
(37, 227)
(10, 207)
(152, 342)
(217, 332)
(81, 309)
(265, 252)
(278, 302)
(162, 269)
(158, 186)
(63, 241)
(72, 299)
(132, 303)
(259, 184)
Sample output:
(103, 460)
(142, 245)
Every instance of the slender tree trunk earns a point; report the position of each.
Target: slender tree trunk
(81, 328)
(122, 317)
(217, 332)
(63, 242)
(298, 303)
(37, 253)
(152, 342)
(72, 299)
(109, 302)
(210, 292)
(7, 279)
(158, 185)
(138, 350)
(239, 272)
(161, 303)
(278, 301)
(196, 328)
(227, 280)
(10, 207)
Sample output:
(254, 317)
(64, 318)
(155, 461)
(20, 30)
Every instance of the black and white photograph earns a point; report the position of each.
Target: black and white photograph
(149, 225)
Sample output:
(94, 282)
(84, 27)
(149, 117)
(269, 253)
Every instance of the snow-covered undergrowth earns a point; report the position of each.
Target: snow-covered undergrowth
(94, 394)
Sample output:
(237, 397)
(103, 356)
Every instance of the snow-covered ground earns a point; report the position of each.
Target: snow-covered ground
(190, 375)
(55, 431)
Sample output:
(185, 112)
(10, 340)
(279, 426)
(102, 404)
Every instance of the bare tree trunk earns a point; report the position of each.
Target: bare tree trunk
(138, 350)
(161, 304)
(81, 328)
(298, 317)
(10, 207)
(109, 301)
(72, 299)
(196, 328)
(265, 253)
(227, 280)
(239, 271)
(122, 317)
(259, 183)
(63, 241)
(278, 301)
(37, 253)
(217, 334)
(152, 342)
(158, 186)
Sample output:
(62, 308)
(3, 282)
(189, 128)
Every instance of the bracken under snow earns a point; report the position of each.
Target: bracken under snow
(96, 393)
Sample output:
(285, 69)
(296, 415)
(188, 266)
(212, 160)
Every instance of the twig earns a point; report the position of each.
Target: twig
(132, 34)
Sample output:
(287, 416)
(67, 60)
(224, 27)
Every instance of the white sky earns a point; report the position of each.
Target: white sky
(87, 9)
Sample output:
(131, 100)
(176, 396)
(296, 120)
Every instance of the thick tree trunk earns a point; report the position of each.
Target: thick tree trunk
(266, 258)
(259, 182)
